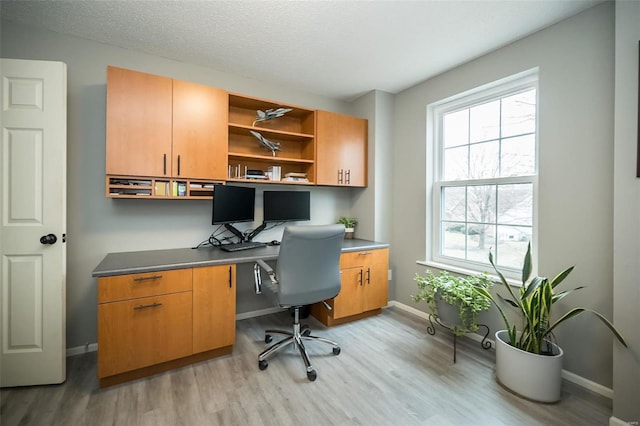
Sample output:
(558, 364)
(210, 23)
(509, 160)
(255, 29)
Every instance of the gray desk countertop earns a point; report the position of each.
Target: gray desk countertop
(161, 260)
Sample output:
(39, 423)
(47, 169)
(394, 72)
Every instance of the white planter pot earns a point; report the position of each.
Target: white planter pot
(448, 314)
(536, 377)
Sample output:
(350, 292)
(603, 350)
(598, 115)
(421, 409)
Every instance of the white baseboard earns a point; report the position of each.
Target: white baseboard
(259, 313)
(614, 421)
(79, 350)
(572, 377)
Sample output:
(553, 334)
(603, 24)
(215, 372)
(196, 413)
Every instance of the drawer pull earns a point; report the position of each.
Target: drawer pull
(152, 277)
(364, 253)
(153, 305)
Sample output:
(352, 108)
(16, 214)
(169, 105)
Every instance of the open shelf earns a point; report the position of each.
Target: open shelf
(158, 188)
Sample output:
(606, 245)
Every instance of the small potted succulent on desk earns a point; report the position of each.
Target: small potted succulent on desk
(528, 359)
(349, 226)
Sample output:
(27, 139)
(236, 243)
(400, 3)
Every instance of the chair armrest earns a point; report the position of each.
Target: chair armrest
(269, 270)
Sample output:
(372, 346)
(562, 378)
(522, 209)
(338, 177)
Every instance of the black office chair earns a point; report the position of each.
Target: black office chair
(307, 272)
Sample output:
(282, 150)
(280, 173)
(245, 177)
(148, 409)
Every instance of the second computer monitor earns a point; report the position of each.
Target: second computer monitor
(286, 206)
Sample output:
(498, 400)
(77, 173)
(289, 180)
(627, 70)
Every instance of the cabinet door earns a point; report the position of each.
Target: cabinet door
(349, 301)
(214, 307)
(341, 153)
(137, 333)
(138, 123)
(376, 280)
(200, 115)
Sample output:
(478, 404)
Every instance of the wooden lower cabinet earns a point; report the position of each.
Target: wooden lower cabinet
(153, 322)
(364, 288)
(142, 332)
(214, 307)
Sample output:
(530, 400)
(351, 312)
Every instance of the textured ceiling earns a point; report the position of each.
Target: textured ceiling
(340, 49)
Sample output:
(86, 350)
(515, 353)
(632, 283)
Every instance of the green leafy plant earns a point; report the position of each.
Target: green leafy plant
(468, 294)
(348, 222)
(534, 302)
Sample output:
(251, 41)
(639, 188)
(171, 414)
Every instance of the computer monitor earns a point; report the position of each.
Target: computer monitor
(232, 204)
(286, 206)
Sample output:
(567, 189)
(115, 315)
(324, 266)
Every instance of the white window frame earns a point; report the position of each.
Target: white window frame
(435, 112)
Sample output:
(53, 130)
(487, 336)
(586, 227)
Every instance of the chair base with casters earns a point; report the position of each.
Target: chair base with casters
(294, 338)
(307, 272)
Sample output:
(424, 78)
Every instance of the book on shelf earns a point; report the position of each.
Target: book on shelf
(274, 172)
(295, 179)
(295, 175)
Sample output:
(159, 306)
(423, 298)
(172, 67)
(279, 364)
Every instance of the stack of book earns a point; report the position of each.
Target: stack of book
(274, 172)
(295, 177)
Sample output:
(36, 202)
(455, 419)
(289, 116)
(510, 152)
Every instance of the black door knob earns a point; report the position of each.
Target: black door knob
(48, 239)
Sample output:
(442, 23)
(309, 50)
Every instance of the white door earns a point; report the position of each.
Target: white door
(32, 206)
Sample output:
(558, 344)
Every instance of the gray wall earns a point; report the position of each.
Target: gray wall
(626, 365)
(98, 225)
(575, 215)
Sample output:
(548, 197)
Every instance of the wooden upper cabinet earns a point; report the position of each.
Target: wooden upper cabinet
(341, 149)
(159, 127)
(200, 115)
(139, 111)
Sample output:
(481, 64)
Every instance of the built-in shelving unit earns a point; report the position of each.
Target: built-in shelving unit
(294, 131)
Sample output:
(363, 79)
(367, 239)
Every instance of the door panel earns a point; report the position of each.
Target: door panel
(33, 204)
(349, 300)
(138, 123)
(214, 307)
(200, 116)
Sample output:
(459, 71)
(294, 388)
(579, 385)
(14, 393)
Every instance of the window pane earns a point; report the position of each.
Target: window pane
(512, 246)
(480, 238)
(485, 121)
(453, 239)
(519, 114)
(483, 160)
(518, 156)
(455, 163)
(456, 128)
(481, 203)
(454, 203)
(515, 204)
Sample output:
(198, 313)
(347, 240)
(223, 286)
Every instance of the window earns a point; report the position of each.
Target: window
(482, 188)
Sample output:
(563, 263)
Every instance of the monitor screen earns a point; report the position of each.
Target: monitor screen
(286, 206)
(232, 204)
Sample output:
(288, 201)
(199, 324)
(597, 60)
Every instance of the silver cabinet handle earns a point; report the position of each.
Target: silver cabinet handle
(152, 277)
(152, 305)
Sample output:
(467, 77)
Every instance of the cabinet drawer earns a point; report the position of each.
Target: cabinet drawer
(355, 258)
(124, 287)
(142, 332)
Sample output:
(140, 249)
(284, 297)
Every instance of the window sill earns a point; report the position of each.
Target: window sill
(464, 271)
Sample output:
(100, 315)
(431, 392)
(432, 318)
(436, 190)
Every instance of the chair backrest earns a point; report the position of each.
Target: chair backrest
(308, 267)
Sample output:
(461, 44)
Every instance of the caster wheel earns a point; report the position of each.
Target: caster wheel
(268, 338)
(312, 375)
(305, 331)
(336, 350)
(262, 365)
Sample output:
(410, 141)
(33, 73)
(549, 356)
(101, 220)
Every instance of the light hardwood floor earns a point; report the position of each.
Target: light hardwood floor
(390, 372)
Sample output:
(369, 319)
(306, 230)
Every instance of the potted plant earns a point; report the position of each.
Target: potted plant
(528, 361)
(349, 225)
(456, 301)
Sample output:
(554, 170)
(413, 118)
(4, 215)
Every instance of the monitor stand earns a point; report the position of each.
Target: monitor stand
(256, 231)
(235, 232)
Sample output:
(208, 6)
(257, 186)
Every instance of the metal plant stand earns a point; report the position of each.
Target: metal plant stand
(431, 329)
